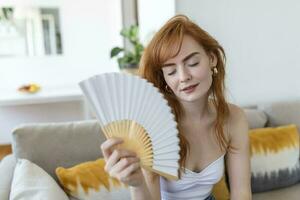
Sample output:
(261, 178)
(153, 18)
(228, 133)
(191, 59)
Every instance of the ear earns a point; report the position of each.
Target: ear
(213, 59)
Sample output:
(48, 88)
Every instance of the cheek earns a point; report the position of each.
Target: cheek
(170, 82)
(203, 73)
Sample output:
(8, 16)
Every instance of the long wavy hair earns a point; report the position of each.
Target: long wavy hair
(166, 44)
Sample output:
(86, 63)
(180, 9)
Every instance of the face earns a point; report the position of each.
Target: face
(189, 74)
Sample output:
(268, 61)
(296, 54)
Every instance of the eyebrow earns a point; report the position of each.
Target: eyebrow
(185, 59)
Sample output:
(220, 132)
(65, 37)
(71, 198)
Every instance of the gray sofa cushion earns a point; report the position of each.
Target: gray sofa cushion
(58, 144)
(7, 167)
(282, 113)
(289, 193)
(256, 118)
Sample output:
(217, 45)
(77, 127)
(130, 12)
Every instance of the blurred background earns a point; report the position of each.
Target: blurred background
(57, 43)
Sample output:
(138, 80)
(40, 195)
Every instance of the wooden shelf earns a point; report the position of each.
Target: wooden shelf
(12, 97)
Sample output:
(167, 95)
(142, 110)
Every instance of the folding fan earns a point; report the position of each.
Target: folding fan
(131, 108)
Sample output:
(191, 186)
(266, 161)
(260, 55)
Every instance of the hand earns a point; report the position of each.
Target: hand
(122, 164)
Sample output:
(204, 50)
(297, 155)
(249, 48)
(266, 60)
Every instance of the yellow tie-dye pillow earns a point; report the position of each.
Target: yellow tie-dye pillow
(274, 157)
(89, 181)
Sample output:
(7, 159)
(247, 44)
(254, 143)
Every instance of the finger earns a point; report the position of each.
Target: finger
(135, 174)
(132, 178)
(125, 174)
(122, 164)
(108, 145)
(116, 156)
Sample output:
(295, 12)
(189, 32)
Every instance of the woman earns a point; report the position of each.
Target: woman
(187, 65)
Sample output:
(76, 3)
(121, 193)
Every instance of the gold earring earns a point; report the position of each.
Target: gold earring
(214, 71)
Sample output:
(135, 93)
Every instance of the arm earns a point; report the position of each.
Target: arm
(150, 189)
(238, 158)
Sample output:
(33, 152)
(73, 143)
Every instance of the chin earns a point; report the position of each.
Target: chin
(191, 98)
(194, 97)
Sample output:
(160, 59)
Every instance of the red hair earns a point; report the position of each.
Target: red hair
(166, 44)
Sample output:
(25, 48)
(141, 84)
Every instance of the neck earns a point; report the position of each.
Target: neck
(195, 111)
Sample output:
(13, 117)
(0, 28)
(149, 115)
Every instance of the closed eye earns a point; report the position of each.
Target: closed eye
(194, 64)
(171, 73)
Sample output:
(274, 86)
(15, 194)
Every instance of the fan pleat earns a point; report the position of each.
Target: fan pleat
(141, 101)
(161, 130)
(102, 96)
(154, 115)
(113, 93)
(136, 99)
(134, 96)
(166, 168)
(148, 109)
(167, 156)
(169, 169)
(164, 134)
(160, 112)
(127, 100)
(161, 162)
(115, 98)
(92, 97)
(122, 97)
(165, 142)
(165, 149)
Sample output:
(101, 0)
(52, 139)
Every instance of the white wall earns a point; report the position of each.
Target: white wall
(261, 39)
(90, 28)
(152, 15)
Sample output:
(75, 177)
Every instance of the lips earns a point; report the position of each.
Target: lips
(189, 87)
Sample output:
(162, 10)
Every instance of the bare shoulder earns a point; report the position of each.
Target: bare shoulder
(236, 112)
(237, 121)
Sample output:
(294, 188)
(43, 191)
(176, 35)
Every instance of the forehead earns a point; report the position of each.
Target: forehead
(188, 46)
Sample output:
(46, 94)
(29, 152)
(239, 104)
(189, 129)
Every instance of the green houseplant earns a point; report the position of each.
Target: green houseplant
(129, 58)
(6, 13)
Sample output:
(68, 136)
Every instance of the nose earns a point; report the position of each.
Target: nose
(184, 74)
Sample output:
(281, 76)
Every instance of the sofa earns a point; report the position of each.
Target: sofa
(66, 144)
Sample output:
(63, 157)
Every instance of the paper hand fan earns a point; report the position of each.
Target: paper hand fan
(131, 108)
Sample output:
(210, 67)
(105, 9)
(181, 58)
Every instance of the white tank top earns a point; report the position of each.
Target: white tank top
(192, 185)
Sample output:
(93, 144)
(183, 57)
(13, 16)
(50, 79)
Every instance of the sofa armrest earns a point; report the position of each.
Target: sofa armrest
(7, 166)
